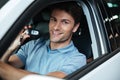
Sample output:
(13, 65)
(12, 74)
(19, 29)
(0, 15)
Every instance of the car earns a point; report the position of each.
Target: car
(98, 36)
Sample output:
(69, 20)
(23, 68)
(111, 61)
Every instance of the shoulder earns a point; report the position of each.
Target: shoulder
(75, 55)
(78, 55)
(77, 59)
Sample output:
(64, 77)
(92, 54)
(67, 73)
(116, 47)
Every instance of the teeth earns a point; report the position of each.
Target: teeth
(56, 33)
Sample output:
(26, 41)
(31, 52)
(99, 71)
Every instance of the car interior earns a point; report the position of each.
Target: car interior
(81, 38)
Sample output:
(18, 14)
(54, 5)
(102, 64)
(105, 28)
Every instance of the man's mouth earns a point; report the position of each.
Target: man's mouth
(56, 33)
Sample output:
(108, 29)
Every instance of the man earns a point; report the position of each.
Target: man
(56, 57)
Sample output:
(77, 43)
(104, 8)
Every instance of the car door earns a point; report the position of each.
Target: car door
(103, 68)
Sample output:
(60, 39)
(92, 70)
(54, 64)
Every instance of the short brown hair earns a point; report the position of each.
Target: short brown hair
(70, 7)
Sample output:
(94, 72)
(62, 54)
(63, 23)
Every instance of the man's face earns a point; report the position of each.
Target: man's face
(61, 26)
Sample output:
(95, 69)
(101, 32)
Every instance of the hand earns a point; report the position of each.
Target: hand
(24, 34)
(20, 38)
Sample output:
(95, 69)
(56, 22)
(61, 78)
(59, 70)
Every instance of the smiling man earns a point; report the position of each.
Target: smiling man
(56, 56)
(61, 27)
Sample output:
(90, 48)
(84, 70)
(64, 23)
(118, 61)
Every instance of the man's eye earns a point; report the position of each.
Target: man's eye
(65, 22)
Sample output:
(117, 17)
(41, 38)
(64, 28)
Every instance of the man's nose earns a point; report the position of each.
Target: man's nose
(57, 25)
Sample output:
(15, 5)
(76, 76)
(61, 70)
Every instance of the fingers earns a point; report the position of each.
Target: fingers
(25, 28)
(24, 35)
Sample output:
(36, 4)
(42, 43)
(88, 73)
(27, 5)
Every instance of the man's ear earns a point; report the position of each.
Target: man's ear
(76, 27)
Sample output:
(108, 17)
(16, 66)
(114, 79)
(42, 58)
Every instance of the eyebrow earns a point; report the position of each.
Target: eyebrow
(62, 19)
(66, 20)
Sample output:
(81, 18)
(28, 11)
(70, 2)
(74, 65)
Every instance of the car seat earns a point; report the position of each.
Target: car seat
(82, 40)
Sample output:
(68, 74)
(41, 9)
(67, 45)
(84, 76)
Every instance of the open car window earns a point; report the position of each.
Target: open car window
(81, 38)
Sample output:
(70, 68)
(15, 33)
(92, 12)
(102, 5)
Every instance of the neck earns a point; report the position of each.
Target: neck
(57, 45)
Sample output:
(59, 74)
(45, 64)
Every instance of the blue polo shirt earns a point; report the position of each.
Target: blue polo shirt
(38, 58)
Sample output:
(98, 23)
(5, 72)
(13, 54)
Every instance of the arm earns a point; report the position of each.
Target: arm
(8, 53)
(14, 46)
(57, 74)
(9, 57)
(15, 61)
(8, 72)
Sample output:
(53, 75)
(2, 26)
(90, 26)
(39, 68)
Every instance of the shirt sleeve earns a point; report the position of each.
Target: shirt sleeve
(27, 49)
(22, 53)
(73, 64)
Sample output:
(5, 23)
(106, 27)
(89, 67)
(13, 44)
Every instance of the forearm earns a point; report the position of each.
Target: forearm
(9, 52)
(6, 56)
(57, 74)
(8, 72)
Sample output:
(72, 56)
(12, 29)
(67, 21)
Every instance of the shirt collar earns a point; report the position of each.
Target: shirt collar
(70, 47)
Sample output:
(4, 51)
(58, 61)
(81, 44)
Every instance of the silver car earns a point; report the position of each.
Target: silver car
(98, 37)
